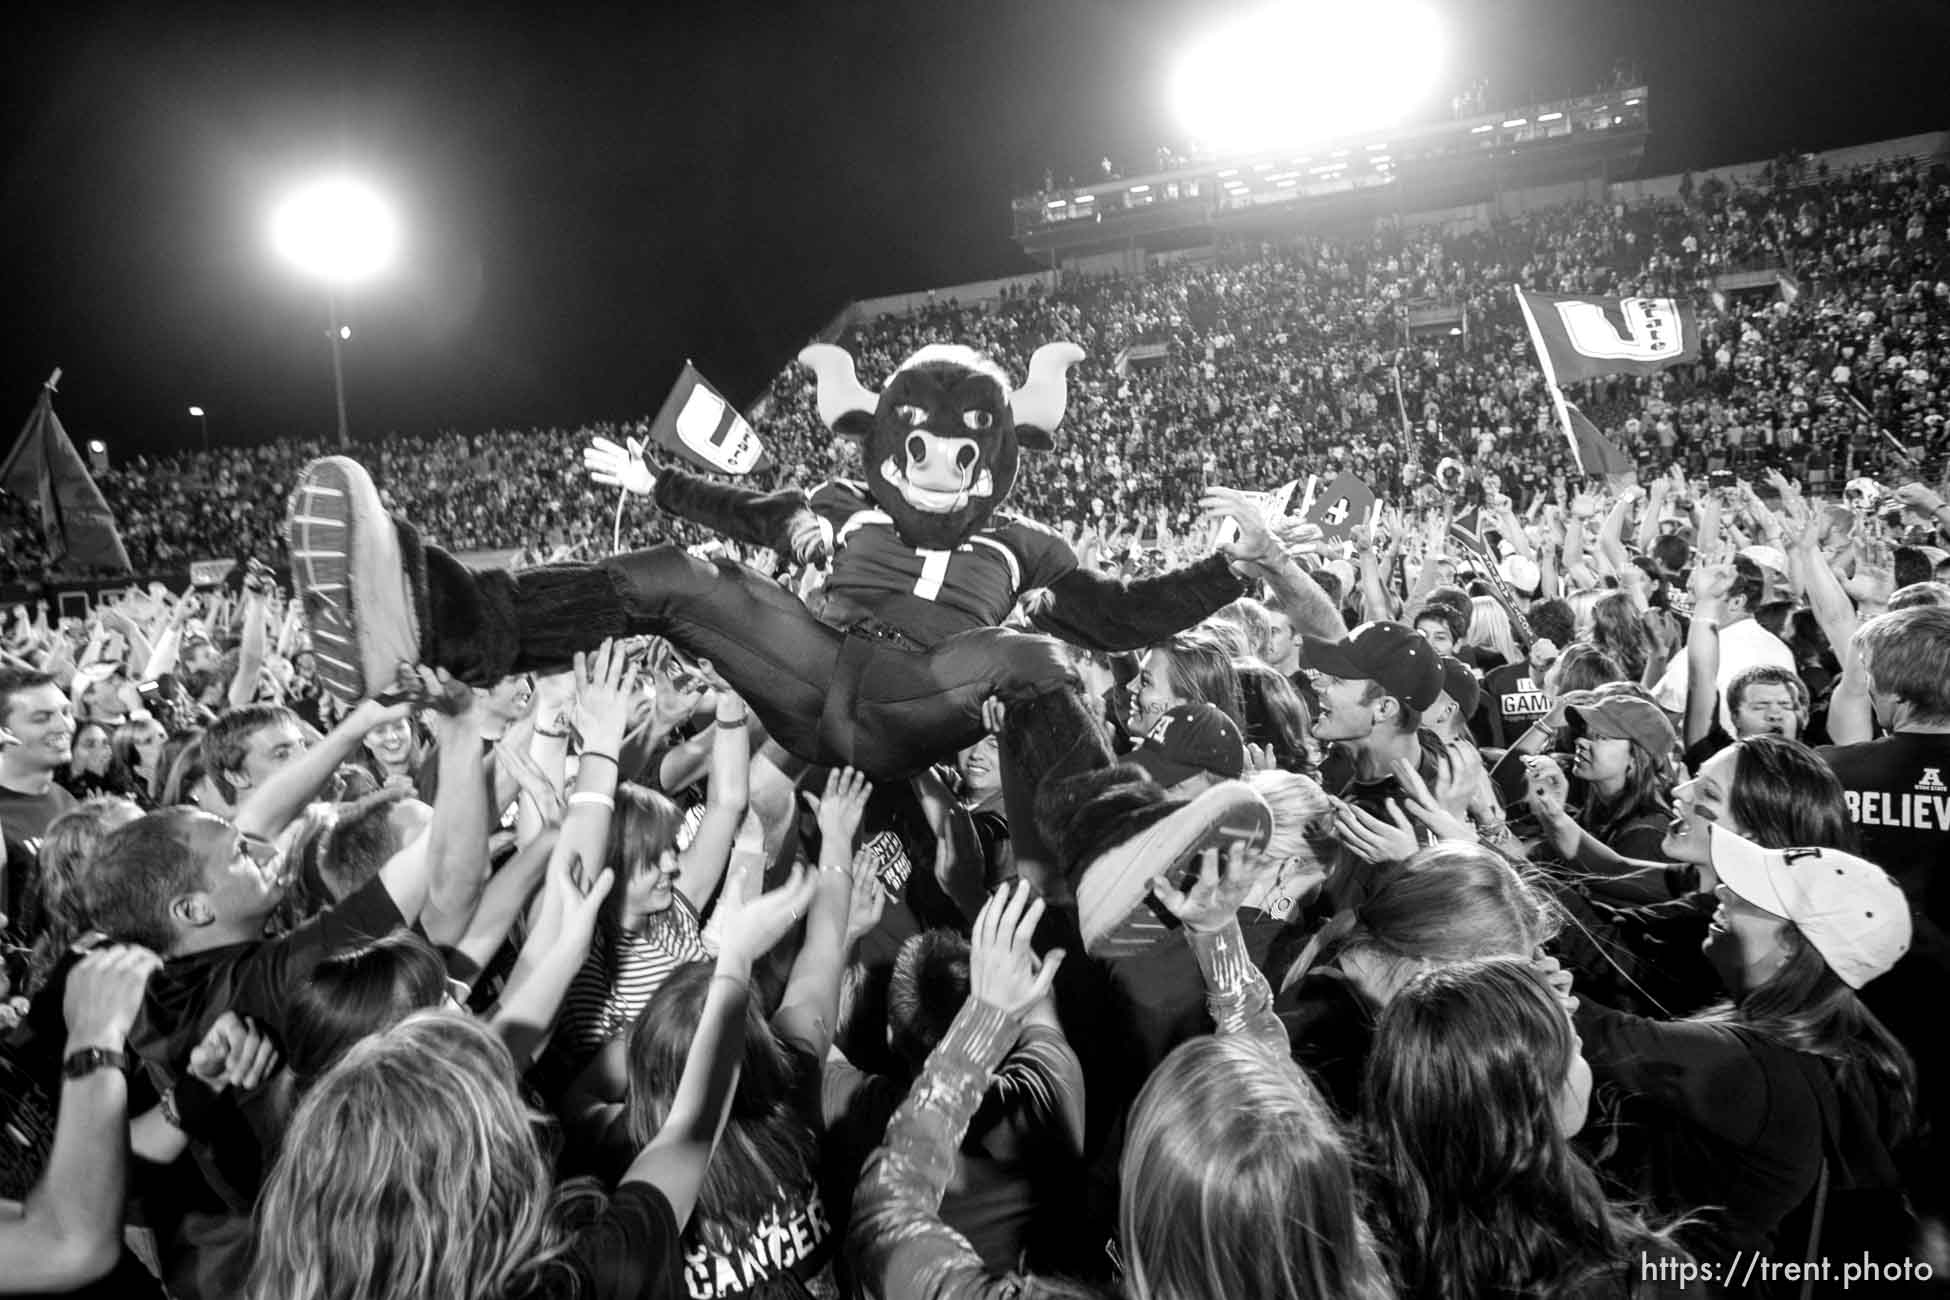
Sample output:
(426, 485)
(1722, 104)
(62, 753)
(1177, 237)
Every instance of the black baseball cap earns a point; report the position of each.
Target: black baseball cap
(1394, 655)
(1190, 739)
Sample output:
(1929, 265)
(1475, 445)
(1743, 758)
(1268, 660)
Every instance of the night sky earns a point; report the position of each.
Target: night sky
(588, 200)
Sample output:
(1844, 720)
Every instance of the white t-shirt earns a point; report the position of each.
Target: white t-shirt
(1742, 645)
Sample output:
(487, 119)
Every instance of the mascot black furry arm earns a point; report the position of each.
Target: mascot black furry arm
(925, 569)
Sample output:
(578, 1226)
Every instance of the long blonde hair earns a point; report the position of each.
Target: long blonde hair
(1237, 1181)
(410, 1172)
(1489, 628)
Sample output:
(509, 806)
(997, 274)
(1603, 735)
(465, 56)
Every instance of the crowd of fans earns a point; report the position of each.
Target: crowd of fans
(1596, 947)
(1285, 360)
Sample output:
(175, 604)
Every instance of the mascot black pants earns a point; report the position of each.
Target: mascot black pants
(829, 697)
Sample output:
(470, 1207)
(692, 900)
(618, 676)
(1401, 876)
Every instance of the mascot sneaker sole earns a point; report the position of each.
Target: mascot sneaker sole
(1113, 897)
(350, 574)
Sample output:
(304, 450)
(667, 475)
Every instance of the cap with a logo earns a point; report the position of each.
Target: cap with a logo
(1629, 717)
(1460, 683)
(1189, 740)
(1395, 656)
(1849, 909)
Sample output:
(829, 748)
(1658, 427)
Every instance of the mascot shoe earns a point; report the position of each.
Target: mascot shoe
(349, 570)
(1113, 897)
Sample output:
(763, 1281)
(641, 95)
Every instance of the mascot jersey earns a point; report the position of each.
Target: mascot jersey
(926, 596)
(926, 566)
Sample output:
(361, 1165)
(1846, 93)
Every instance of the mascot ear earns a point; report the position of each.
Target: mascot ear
(1037, 406)
(845, 404)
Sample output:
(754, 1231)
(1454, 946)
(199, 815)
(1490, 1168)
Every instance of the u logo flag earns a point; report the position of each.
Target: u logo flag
(699, 425)
(1586, 338)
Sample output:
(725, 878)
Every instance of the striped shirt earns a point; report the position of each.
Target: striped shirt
(621, 974)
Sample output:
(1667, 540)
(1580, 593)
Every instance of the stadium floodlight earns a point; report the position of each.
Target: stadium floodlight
(337, 229)
(341, 232)
(1307, 71)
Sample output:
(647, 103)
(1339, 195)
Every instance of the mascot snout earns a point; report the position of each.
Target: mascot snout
(941, 474)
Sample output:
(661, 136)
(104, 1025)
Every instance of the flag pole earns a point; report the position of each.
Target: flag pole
(1400, 404)
(1550, 378)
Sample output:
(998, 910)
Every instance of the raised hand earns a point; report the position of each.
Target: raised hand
(1372, 839)
(1297, 537)
(578, 902)
(1462, 792)
(531, 782)
(619, 466)
(1547, 794)
(869, 900)
(1710, 583)
(104, 995)
(606, 682)
(1255, 542)
(1003, 969)
(748, 928)
(1215, 896)
(842, 808)
(1923, 500)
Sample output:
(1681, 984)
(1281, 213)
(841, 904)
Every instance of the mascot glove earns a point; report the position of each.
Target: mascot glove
(619, 466)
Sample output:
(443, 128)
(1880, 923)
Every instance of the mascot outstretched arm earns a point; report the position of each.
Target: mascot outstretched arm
(926, 565)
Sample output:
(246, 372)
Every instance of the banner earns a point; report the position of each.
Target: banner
(1273, 504)
(1342, 506)
(44, 470)
(700, 426)
(210, 573)
(1588, 338)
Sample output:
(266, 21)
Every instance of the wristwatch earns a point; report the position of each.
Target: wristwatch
(81, 1064)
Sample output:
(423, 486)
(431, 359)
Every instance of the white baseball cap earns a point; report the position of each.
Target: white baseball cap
(1847, 907)
(1521, 572)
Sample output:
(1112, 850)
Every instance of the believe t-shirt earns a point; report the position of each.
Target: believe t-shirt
(1898, 791)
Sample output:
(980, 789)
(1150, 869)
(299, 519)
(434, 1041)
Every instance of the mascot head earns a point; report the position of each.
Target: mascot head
(941, 442)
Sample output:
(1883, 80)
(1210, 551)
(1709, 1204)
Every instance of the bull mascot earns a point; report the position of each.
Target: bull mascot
(926, 564)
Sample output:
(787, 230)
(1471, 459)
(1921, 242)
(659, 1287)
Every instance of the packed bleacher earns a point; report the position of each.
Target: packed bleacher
(1283, 362)
(1163, 911)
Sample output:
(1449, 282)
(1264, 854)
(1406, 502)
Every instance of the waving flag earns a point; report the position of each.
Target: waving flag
(1588, 338)
(698, 424)
(45, 470)
(1597, 454)
(1342, 506)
